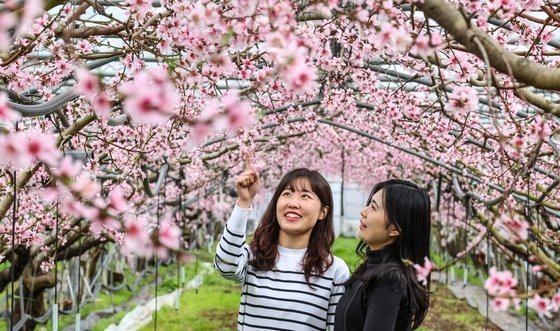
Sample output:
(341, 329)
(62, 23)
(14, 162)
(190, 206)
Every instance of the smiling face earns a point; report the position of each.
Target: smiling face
(298, 209)
(374, 229)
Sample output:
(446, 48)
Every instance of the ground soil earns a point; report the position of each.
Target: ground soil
(227, 318)
(449, 313)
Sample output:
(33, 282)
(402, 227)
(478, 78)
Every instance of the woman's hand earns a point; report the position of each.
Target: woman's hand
(247, 184)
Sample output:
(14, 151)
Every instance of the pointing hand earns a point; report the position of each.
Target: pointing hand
(247, 184)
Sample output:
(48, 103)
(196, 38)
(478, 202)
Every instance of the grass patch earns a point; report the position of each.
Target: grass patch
(345, 248)
(214, 307)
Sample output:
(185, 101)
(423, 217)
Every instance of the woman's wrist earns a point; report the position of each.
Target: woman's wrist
(245, 204)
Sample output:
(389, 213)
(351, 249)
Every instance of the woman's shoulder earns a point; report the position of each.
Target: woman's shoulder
(384, 278)
(339, 268)
(394, 277)
(338, 263)
(390, 273)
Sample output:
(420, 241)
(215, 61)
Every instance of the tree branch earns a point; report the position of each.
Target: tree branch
(536, 100)
(27, 174)
(88, 31)
(19, 264)
(525, 71)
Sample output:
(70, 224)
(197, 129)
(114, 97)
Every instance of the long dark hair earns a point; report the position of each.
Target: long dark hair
(318, 257)
(408, 208)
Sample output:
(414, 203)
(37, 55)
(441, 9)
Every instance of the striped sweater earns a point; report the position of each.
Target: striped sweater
(279, 299)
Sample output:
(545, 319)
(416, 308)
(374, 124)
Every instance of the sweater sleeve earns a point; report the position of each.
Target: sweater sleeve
(232, 253)
(384, 304)
(341, 275)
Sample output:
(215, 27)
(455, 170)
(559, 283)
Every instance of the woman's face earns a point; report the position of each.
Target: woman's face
(298, 209)
(374, 230)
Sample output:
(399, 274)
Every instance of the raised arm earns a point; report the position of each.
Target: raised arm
(232, 253)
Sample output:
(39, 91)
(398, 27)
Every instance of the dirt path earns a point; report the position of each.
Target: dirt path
(458, 306)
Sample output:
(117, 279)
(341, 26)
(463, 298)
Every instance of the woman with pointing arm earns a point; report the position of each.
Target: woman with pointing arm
(290, 278)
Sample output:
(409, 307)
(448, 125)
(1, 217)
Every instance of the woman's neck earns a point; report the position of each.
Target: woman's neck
(384, 254)
(293, 241)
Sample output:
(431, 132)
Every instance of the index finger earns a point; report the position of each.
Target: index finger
(248, 163)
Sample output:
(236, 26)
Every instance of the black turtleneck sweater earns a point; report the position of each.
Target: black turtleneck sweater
(376, 298)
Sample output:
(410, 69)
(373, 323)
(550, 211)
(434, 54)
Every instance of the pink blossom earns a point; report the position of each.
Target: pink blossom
(500, 304)
(101, 105)
(517, 227)
(518, 142)
(12, 149)
(537, 268)
(199, 131)
(63, 67)
(280, 46)
(50, 194)
(362, 15)
(7, 22)
(169, 235)
(67, 10)
(226, 113)
(531, 4)
(68, 168)
(137, 239)
(541, 305)
(237, 111)
(506, 5)
(87, 83)
(69, 206)
(401, 40)
(421, 45)
(102, 220)
(436, 40)
(83, 46)
(262, 75)
(161, 251)
(547, 36)
(6, 113)
(117, 202)
(301, 77)
(463, 98)
(386, 34)
(42, 147)
(140, 7)
(541, 128)
(203, 15)
(150, 97)
(499, 282)
(423, 271)
(555, 302)
(482, 22)
(86, 187)
(32, 9)
(47, 265)
(222, 63)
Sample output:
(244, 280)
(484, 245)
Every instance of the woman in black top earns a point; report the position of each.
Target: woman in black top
(383, 293)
